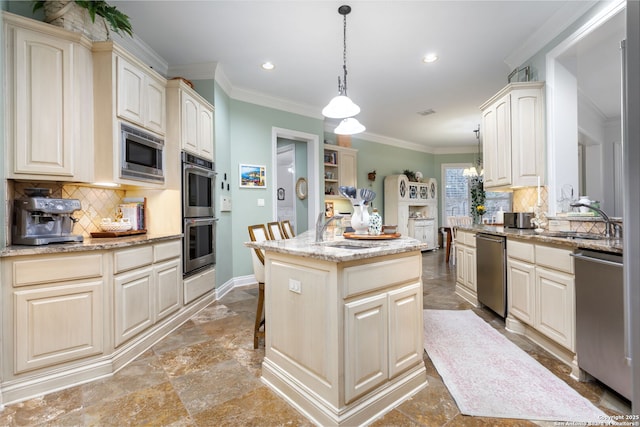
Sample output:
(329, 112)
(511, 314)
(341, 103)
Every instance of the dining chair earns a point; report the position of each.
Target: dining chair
(275, 231)
(455, 222)
(287, 229)
(258, 233)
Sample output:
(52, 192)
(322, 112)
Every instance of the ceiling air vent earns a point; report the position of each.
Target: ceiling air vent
(427, 112)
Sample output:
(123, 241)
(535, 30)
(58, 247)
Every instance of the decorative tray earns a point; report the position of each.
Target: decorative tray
(116, 233)
(371, 236)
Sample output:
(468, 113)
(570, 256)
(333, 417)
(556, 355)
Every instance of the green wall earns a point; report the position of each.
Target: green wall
(251, 143)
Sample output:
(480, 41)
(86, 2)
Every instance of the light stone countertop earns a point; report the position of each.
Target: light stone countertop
(605, 245)
(305, 246)
(89, 244)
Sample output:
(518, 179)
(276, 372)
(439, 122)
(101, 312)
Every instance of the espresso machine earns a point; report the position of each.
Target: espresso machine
(39, 219)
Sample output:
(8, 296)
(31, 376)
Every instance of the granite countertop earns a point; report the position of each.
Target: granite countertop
(89, 244)
(305, 246)
(604, 245)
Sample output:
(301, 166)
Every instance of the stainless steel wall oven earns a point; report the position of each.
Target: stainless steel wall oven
(198, 212)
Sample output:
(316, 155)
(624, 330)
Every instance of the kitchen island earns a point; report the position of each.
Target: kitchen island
(344, 335)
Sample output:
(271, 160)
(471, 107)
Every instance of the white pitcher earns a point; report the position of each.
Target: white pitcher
(360, 219)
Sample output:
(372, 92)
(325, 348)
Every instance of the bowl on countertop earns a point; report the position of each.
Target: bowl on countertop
(389, 229)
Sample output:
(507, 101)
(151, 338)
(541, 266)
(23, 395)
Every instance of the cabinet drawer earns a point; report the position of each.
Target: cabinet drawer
(56, 269)
(520, 250)
(167, 250)
(367, 277)
(554, 257)
(128, 259)
(469, 239)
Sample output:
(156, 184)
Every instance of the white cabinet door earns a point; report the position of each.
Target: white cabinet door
(168, 281)
(58, 324)
(405, 328)
(50, 107)
(155, 106)
(141, 99)
(496, 125)
(470, 268)
(133, 303)
(366, 345)
(461, 272)
(521, 286)
(189, 123)
(527, 136)
(348, 168)
(555, 304)
(131, 87)
(206, 132)
(430, 234)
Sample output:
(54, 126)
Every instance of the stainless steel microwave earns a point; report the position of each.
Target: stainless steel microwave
(142, 155)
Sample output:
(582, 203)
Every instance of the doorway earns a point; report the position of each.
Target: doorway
(584, 112)
(302, 151)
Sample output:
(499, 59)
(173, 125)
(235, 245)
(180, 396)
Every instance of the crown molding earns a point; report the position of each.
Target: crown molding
(282, 104)
(560, 21)
(145, 53)
(202, 71)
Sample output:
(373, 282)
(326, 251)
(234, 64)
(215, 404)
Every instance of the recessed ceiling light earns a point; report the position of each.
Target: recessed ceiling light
(432, 57)
(268, 66)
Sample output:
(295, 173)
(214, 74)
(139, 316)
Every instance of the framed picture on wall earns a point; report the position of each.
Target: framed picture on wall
(280, 193)
(253, 176)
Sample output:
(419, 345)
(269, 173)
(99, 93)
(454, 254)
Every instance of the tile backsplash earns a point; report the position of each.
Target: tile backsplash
(97, 202)
(525, 199)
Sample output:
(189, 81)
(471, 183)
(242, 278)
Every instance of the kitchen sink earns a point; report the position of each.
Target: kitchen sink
(573, 235)
(349, 245)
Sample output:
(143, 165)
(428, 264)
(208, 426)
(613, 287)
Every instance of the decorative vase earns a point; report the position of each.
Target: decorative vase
(68, 15)
(360, 219)
(375, 223)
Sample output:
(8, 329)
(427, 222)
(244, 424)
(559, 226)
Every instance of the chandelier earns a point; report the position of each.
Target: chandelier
(477, 170)
(341, 106)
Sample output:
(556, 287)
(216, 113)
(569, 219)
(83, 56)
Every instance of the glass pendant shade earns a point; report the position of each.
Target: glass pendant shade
(340, 107)
(349, 126)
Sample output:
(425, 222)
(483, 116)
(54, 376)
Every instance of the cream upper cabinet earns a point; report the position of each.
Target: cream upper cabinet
(128, 92)
(513, 136)
(191, 119)
(141, 97)
(340, 169)
(49, 108)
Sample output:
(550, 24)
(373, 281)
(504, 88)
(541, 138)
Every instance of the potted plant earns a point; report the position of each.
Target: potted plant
(88, 17)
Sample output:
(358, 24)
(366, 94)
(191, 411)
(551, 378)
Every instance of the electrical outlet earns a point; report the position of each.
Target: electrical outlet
(260, 202)
(295, 286)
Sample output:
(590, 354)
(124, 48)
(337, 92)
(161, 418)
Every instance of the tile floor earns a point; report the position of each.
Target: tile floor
(208, 374)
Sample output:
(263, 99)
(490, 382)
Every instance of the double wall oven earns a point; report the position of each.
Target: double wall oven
(198, 212)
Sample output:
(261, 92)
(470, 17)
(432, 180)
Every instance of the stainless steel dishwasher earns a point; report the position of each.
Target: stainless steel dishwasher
(600, 324)
(491, 272)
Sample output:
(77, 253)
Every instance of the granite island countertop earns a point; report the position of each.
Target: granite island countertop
(89, 244)
(304, 245)
(605, 245)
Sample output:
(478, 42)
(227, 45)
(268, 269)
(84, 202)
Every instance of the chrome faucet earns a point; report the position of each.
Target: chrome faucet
(321, 225)
(607, 220)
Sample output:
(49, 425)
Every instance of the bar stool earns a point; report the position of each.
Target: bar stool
(287, 228)
(275, 231)
(258, 233)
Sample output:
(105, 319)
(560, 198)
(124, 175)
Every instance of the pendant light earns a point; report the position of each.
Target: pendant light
(341, 106)
(476, 170)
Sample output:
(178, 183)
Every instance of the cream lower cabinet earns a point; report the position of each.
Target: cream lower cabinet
(380, 340)
(344, 340)
(56, 310)
(466, 274)
(541, 289)
(49, 107)
(424, 230)
(147, 287)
